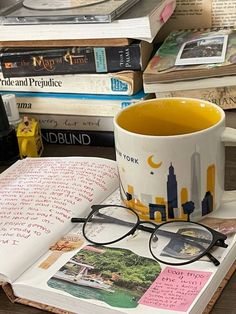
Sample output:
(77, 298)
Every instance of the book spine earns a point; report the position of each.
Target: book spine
(182, 86)
(73, 122)
(75, 137)
(71, 60)
(225, 97)
(82, 108)
(118, 83)
(230, 118)
(107, 106)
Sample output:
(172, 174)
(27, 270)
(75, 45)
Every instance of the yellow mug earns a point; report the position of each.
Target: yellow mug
(171, 157)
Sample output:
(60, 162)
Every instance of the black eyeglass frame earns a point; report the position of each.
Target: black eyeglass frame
(218, 239)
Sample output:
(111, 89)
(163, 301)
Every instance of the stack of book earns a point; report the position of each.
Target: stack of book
(197, 64)
(76, 73)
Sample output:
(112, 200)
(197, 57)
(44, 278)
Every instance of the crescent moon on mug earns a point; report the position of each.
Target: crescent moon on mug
(153, 164)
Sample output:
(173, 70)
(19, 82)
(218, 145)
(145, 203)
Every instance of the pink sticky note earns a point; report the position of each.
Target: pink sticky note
(167, 12)
(175, 289)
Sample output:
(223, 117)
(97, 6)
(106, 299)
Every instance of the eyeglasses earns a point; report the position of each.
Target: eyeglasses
(173, 242)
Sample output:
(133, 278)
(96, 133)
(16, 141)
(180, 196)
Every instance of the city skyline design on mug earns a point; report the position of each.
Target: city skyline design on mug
(177, 205)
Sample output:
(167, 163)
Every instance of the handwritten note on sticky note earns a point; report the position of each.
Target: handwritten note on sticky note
(175, 289)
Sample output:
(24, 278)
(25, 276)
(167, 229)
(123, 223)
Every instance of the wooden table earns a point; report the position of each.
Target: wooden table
(226, 303)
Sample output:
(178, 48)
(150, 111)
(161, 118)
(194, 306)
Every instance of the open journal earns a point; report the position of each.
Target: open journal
(46, 262)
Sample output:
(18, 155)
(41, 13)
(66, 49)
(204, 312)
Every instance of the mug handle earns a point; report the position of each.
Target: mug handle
(229, 139)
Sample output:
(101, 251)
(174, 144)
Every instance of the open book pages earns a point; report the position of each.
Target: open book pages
(58, 270)
(122, 277)
(193, 54)
(38, 198)
(200, 14)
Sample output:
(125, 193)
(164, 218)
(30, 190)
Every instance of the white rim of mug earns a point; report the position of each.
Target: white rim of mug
(171, 136)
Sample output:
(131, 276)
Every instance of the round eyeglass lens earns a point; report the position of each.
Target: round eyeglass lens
(180, 242)
(109, 224)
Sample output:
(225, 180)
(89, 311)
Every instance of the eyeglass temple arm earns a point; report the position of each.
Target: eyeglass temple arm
(104, 219)
(221, 237)
(107, 219)
(77, 220)
(213, 259)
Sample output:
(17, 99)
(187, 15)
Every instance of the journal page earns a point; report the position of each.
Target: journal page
(38, 198)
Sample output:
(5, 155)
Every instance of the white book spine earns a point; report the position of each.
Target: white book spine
(211, 82)
(73, 122)
(118, 29)
(225, 97)
(112, 83)
(69, 106)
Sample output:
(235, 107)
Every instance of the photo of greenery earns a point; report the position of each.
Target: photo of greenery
(116, 276)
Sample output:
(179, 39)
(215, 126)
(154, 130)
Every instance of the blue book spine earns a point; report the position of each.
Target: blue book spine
(139, 95)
